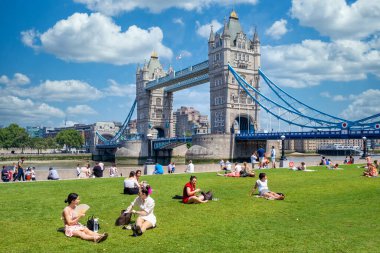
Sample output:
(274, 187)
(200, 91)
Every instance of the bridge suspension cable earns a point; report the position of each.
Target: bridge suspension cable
(120, 133)
(298, 118)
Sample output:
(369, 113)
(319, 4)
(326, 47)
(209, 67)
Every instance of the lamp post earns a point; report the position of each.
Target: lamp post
(283, 157)
(364, 156)
(149, 160)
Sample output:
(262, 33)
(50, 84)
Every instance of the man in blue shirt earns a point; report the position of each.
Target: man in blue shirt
(261, 154)
(158, 169)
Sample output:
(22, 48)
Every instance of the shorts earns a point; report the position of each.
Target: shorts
(261, 159)
(263, 192)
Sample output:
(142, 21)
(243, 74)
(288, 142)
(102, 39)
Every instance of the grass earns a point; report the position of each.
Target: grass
(324, 211)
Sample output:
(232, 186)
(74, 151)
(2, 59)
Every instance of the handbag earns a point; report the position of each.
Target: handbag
(207, 195)
(124, 219)
(93, 223)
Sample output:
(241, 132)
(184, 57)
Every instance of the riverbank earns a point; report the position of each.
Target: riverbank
(67, 168)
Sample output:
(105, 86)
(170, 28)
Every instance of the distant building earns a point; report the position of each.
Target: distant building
(36, 132)
(188, 121)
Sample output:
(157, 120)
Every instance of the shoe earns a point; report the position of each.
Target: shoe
(138, 230)
(102, 238)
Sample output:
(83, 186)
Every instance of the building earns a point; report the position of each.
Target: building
(230, 108)
(36, 132)
(188, 121)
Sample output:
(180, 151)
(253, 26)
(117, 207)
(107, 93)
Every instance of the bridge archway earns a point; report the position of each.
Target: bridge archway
(158, 132)
(243, 124)
(108, 136)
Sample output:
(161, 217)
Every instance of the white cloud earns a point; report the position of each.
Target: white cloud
(115, 7)
(18, 79)
(337, 19)
(64, 90)
(197, 97)
(204, 30)
(118, 90)
(364, 105)
(80, 110)
(325, 94)
(339, 98)
(96, 38)
(178, 21)
(278, 29)
(313, 61)
(25, 111)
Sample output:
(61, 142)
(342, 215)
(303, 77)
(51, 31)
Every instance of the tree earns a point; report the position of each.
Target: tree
(14, 136)
(38, 143)
(70, 137)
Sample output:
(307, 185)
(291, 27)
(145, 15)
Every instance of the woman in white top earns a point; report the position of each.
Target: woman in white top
(262, 185)
(131, 185)
(146, 218)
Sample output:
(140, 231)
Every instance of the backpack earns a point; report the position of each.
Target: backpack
(124, 219)
(207, 195)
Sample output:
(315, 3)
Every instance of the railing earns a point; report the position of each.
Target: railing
(335, 134)
(188, 83)
(159, 143)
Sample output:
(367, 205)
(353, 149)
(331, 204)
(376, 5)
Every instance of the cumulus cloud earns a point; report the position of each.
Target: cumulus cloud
(338, 19)
(204, 30)
(364, 105)
(96, 38)
(18, 79)
(80, 110)
(64, 90)
(115, 7)
(278, 29)
(312, 61)
(23, 111)
(178, 21)
(118, 90)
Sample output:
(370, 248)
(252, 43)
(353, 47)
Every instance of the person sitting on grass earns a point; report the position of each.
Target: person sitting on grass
(262, 185)
(246, 172)
(371, 171)
(71, 221)
(146, 218)
(158, 170)
(332, 166)
(234, 173)
(131, 185)
(190, 192)
(302, 166)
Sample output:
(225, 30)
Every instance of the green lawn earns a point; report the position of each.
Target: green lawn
(324, 211)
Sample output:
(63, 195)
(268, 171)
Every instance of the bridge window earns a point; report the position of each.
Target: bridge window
(158, 101)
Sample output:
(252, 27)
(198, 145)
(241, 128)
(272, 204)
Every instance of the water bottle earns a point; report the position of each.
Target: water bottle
(96, 225)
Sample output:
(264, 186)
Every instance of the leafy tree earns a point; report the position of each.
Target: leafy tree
(71, 138)
(38, 143)
(14, 136)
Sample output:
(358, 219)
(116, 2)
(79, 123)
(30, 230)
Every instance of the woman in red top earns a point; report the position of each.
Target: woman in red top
(189, 192)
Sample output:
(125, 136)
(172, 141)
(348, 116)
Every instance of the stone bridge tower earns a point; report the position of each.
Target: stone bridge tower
(154, 108)
(230, 107)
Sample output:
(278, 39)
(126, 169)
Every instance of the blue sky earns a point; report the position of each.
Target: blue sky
(76, 60)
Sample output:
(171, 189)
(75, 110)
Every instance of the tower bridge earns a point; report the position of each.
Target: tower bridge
(233, 73)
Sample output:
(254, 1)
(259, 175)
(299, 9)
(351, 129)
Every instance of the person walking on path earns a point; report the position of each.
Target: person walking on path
(273, 157)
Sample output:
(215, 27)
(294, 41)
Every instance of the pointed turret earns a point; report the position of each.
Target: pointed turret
(212, 36)
(226, 30)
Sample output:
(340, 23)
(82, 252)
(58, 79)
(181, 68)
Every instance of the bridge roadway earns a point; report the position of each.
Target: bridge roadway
(183, 79)
(166, 143)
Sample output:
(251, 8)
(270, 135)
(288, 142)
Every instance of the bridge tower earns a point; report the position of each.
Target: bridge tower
(153, 107)
(230, 108)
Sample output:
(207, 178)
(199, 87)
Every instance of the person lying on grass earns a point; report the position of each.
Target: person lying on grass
(234, 173)
(146, 218)
(71, 221)
(262, 185)
(190, 192)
